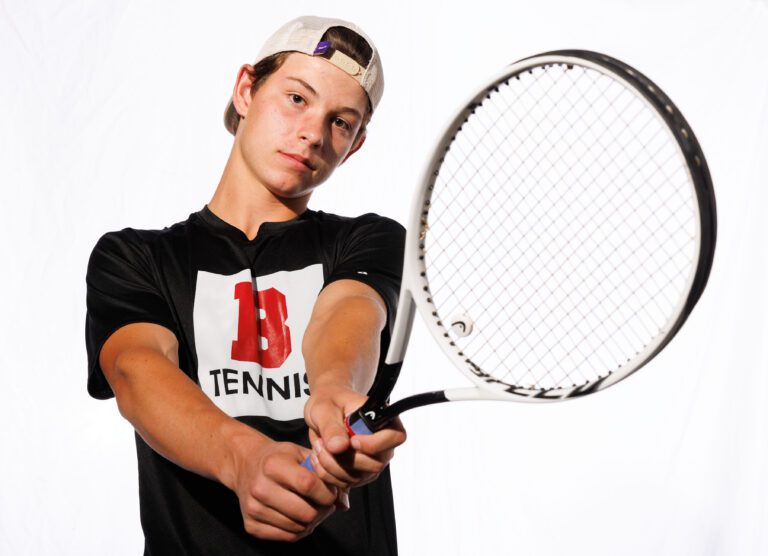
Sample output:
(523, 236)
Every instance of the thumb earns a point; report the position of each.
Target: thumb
(328, 420)
(334, 437)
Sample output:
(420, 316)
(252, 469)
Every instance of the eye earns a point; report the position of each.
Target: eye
(343, 124)
(296, 98)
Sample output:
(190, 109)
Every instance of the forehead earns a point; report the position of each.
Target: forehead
(324, 78)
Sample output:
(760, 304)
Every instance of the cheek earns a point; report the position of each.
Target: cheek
(267, 120)
(263, 136)
(273, 123)
(340, 146)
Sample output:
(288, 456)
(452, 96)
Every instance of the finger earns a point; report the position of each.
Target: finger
(310, 486)
(270, 532)
(350, 468)
(257, 512)
(289, 483)
(329, 424)
(329, 469)
(272, 525)
(383, 440)
(361, 465)
(313, 436)
(342, 502)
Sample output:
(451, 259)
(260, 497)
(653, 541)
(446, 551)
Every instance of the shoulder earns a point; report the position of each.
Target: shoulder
(383, 222)
(368, 220)
(137, 239)
(367, 233)
(131, 246)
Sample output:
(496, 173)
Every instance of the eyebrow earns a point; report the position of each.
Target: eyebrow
(312, 90)
(305, 84)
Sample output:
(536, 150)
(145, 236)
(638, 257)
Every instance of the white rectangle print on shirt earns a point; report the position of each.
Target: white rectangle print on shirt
(248, 335)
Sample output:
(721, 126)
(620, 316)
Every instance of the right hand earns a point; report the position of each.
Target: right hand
(338, 459)
(279, 499)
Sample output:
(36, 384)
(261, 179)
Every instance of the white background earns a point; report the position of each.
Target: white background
(110, 116)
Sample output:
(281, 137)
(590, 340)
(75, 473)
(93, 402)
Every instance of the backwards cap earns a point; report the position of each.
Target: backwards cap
(304, 35)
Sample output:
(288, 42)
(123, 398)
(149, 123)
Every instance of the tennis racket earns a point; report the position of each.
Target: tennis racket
(563, 232)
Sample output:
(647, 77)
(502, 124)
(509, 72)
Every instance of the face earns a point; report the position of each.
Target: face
(300, 124)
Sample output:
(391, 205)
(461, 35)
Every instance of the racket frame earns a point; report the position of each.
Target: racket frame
(415, 294)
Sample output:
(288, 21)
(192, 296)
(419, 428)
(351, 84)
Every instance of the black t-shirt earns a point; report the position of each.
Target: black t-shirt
(239, 309)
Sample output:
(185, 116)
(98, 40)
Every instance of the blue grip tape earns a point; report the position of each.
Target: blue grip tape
(359, 427)
(307, 464)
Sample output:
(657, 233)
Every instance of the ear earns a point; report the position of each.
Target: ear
(241, 96)
(356, 147)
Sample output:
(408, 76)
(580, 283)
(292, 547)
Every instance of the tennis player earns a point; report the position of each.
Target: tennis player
(235, 338)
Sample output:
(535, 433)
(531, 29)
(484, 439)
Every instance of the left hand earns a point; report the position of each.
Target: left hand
(338, 459)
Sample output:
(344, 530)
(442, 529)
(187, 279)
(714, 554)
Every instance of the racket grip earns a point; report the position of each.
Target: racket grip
(307, 464)
(355, 425)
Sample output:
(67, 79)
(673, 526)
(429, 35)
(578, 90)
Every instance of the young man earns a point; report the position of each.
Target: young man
(212, 333)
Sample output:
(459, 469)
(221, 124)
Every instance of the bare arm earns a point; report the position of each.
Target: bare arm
(278, 498)
(341, 351)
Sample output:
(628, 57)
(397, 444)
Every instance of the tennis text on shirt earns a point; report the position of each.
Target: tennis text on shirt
(245, 329)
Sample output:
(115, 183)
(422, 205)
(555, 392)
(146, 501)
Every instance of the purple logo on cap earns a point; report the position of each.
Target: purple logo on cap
(322, 47)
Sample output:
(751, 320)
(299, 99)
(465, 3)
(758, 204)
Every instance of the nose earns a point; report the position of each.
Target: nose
(311, 131)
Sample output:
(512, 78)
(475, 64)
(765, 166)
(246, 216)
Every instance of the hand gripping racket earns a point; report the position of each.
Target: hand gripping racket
(563, 232)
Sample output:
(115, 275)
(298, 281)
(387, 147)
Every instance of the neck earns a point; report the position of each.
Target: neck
(243, 202)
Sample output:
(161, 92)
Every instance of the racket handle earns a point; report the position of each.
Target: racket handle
(307, 464)
(355, 425)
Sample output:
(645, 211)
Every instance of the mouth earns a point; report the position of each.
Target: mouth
(302, 160)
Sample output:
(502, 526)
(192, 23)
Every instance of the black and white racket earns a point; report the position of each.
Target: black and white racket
(563, 232)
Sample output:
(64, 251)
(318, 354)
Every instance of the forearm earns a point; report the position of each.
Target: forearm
(279, 499)
(341, 346)
(175, 417)
(341, 351)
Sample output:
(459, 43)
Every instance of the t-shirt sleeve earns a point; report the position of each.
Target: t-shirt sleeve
(122, 288)
(372, 253)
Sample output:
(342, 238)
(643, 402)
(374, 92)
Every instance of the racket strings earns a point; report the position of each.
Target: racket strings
(476, 141)
(538, 202)
(553, 314)
(628, 324)
(540, 253)
(620, 327)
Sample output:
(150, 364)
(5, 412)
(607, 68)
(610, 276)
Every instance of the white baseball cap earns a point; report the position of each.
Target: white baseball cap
(304, 35)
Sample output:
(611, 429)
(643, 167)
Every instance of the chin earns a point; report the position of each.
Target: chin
(291, 193)
(291, 189)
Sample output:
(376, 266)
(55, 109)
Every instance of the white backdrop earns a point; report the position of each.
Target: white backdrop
(110, 116)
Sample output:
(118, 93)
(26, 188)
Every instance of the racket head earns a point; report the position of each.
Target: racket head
(487, 350)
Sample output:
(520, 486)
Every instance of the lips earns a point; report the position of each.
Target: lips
(304, 161)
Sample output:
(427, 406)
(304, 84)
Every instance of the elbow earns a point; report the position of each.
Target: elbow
(125, 373)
